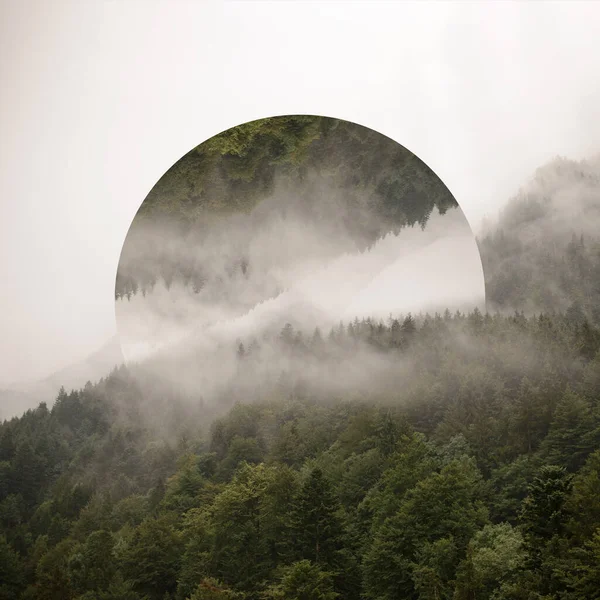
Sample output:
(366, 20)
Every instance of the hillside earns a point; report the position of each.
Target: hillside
(544, 253)
(446, 456)
(24, 395)
(329, 173)
(126, 490)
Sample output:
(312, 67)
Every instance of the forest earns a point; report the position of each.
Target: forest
(543, 254)
(480, 479)
(450, 456)
(308, 160)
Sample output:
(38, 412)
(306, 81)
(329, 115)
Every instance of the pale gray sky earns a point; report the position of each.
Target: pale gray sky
(100, 98)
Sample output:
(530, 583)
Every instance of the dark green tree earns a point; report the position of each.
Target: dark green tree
(302, 580)
(318, 529)
(152, 559)
(12, 572)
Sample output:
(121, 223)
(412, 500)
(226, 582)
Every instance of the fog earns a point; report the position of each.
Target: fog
(298, 257)
(393, 277)
(558, 198)
(289, 319)
(95, 109)
(544, 245)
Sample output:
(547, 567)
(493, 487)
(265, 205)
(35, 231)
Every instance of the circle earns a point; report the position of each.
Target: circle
(298, 219)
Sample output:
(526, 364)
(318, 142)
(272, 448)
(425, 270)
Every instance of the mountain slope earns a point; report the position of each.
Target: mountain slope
(22, 396)
(544, 252)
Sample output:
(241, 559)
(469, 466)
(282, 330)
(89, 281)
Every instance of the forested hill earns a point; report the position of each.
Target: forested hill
(544, 253)
(327, 171)
(235, 169)
(477, 478)
(21, 396)
(428, 457)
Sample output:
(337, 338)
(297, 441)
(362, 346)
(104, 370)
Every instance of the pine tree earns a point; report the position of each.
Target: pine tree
(408, 328)
(12, 571)
(302, 580)
(573, 432)
(543, 520)
(317, 527)
(543, 513)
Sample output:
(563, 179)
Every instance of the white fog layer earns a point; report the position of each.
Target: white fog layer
(96, 106)
(296, 275)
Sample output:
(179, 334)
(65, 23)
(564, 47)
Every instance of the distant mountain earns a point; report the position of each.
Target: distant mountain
(23, 396)
(13, 403)
(543, 254)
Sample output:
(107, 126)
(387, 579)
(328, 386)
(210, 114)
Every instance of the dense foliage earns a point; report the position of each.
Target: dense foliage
(478, 479)
(236, 168)
(468, 468)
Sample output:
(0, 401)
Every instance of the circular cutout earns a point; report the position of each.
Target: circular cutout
(295, 219)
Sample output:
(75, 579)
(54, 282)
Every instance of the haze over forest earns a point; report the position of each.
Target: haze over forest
(282, 435)
(305, 220)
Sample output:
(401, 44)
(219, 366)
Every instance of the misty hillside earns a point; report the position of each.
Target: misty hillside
(429, 455)
(297, 218)
(544, 253)
(315, 287)
(428, 479)
(316, 173)
(24, 395)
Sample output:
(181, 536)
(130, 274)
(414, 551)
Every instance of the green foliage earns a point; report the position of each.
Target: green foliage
(52, 575)
(184, 488)
(152, 557)
(583, 505)
(303, 580)
(585, 581)
(433, 569)
(237, 552)
(212, 589)
(12, 575)
(93, 567)
(240, 450)
(477, 479)
(574, 432)
(316, 521)
(432, 526)
(493, 556)
(119, 589)
(543, 513)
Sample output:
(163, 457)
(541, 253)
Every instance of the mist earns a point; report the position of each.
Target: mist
(255, 300)
(287, 320)
(541, 254)
(301, 256)
(483, 92)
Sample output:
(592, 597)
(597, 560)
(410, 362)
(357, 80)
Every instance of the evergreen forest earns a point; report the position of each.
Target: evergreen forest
(466, 467)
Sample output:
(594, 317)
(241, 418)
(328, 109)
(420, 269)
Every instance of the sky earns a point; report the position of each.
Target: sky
(100, 98)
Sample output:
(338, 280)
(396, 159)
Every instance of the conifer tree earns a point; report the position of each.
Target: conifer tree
(317, 527)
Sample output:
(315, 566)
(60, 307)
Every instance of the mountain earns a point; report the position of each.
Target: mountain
(543, 254)
(445, 456)
(22, 396)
